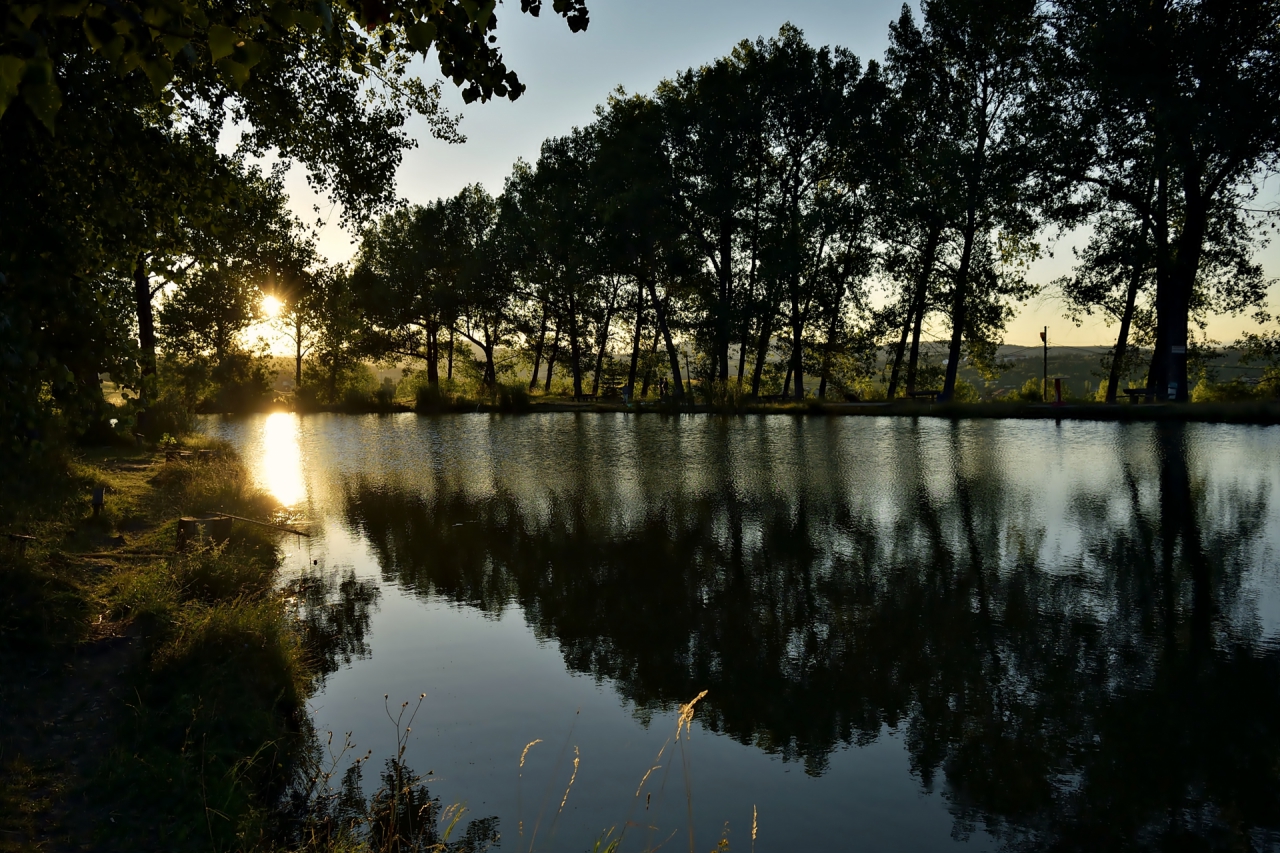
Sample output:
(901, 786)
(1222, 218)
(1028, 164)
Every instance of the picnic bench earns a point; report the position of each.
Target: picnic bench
(1135, 395)
(930, 396)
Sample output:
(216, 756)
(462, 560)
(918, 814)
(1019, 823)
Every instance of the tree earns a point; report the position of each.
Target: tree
(1196, 83)
(640, 235)
(109, 120)
(714, 123)
(980, 57)
(403, 279)
(483, 276)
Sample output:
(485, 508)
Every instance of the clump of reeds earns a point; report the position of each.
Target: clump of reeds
(611, 840)
(400, 816)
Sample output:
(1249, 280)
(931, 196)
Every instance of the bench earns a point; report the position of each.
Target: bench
(930, 396)
(1135, 395)
(584, 398)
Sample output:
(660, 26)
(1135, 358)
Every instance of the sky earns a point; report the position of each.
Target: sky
(636, 45)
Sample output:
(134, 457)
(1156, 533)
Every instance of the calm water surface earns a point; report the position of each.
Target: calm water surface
(914, 635)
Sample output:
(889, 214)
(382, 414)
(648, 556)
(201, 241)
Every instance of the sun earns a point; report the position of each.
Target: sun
(271, 306)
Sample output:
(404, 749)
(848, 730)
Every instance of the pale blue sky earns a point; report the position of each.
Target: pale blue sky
(635, 45)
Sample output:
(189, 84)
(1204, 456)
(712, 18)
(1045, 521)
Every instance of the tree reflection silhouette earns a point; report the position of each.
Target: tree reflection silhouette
(1114, 696)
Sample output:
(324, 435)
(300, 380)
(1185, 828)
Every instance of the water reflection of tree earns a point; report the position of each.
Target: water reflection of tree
(332, 613)
(1109, 698)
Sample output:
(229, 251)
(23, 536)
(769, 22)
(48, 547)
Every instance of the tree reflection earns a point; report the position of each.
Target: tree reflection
(1114, 694)
(332, 613)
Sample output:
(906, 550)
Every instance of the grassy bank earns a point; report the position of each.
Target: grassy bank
(148, 699)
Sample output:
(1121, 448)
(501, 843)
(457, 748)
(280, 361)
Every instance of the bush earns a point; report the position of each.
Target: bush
(430, 399)
(243, 384)
(727, 396)
(512, 397)
(966, 392)
(1234, 391)
(1031, 392)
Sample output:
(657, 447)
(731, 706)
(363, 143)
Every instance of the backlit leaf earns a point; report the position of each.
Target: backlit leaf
(421, 35)
(44, 100)
(222, 40)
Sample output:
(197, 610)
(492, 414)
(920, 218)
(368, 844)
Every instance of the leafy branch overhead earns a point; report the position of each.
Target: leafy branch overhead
(190, 48)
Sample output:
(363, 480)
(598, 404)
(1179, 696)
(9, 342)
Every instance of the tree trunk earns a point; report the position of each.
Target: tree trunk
(433, 357)
(146, 326)
(449, 367)
(1130, 300)
(725, 300)
(648, 367)
(490, 367)
(297, 345)
(1158, 371)
(1183, 281)
(551, 359)
(797, 349)
(762, 350)
(960, 303)
(677, 387)
(575, 347)
(604, 341)
(635, 344)
(899, 352)
(920, 299)
(826, 355)
(537, 351)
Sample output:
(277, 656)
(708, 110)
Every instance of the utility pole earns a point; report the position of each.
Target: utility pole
(1044, 382)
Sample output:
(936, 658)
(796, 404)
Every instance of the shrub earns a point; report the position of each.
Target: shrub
(728, 396)
(1030, 392)
(1234, 391)
(966, 392)
(512, 397)
(430, 399)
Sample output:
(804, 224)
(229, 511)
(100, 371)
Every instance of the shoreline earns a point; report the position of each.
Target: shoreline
(1257, 413)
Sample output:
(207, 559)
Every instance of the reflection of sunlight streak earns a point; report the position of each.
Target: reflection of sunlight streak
(281, 464)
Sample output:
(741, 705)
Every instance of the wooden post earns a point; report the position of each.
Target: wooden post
(99, 498)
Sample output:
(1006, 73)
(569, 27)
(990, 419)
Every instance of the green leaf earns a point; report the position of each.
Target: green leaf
(159, 71)
(11, 70)
(174, 44)
(222, 41)
(283, 15)
(250, 53)
(69, 8)
(44, 100)
(27, 14)
(421, 35)
(236, 74)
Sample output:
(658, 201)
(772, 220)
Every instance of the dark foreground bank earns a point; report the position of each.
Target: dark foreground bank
(152, 697)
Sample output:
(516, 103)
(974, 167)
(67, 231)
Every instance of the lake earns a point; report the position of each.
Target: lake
(913, 634)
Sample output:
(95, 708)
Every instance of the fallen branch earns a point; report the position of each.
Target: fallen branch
(264, 524)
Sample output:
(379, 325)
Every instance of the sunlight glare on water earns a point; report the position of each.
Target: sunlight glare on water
(281, 458)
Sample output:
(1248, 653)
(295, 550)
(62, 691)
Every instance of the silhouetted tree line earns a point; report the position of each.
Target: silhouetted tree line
(746, 212)
(755, 209)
